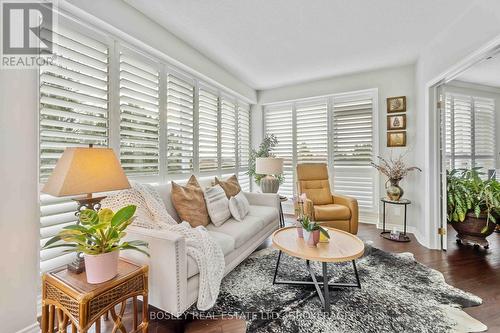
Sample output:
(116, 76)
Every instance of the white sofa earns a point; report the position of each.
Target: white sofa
(173, 277)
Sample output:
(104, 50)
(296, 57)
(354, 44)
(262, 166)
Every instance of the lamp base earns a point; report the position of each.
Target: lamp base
(78, 265)
(269, 184)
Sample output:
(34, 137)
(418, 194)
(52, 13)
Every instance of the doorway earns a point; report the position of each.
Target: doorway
(468, 105)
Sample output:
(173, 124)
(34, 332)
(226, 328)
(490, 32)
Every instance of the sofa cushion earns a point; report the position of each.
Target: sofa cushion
(241, 231)
(189, 203)
(226, 243)
(266, 213)
(331, 212)
(231, 185)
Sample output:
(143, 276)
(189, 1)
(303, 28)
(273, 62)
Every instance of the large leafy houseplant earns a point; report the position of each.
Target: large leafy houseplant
(99, 237)
(265, 150)
(98, 233)
(468, 193)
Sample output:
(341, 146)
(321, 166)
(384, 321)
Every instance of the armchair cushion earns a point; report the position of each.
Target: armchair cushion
(318, 191)
(331, 212)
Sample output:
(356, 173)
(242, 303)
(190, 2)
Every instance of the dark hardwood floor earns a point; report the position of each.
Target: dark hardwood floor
(465, 267)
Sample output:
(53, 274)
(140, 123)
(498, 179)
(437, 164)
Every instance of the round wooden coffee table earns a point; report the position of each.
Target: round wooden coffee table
(342, 247)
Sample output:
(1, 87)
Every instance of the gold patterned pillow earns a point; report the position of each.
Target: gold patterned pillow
(189, 203)
(230, 186)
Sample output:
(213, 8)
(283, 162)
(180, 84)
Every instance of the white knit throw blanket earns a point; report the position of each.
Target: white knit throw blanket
(152, 214)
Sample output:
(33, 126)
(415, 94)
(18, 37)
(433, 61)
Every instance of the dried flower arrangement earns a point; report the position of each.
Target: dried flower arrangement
(394, 168)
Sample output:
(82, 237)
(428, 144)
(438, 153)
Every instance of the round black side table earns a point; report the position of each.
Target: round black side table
(387, 234)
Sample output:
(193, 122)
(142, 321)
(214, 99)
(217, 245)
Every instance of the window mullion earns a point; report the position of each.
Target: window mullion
(114, 96)
(236, 141)
(294, 146)
(219, 134)
(196, 129)
(162, 129)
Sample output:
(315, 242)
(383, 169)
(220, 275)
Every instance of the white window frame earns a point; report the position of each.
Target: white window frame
(371, 216)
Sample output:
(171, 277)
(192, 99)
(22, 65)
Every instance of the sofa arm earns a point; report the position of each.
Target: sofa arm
(263, 199)
(167, 267)
(352, 203)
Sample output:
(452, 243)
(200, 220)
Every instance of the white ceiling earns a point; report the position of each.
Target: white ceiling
(271, 43)
(486, 73)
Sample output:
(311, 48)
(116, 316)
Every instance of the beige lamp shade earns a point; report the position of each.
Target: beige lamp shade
(86, 171)
(268, 165)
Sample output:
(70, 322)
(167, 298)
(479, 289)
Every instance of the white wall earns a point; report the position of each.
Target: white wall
(470, 32)
(396, 81)
(19, 224)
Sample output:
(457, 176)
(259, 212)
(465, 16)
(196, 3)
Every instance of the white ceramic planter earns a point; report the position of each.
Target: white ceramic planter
(101, 267)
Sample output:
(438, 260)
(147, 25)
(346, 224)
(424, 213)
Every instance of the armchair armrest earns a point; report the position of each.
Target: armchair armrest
(352, 203)
(167, 267)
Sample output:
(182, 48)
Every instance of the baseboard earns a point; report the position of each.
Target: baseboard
(398, 227)
(33, 328)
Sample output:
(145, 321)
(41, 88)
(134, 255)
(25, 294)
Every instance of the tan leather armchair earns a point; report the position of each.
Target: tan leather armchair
(333, 210)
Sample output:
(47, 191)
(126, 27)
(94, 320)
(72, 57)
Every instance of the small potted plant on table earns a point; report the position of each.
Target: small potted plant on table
(98, 236)
(473, 205)
(311, 231)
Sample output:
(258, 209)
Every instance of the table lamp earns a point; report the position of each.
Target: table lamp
(269, 166)
(86, 171)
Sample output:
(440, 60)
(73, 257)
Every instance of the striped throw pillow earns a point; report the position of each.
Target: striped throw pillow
(239, 206)
(217, 205)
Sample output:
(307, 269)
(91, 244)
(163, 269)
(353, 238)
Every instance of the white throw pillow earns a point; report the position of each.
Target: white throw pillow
(217, 205)
(239, 206)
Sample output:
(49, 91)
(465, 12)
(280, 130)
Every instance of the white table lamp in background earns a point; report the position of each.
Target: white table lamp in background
(269, 166)
(83, 171)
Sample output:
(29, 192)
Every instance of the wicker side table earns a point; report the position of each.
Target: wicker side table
(68, 300)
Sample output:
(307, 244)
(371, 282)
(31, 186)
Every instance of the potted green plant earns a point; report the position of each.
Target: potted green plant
(98, 236)
(473, 205)
(311, 231)
(265, 150)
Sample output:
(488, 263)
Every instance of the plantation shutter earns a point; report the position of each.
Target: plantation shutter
(352, 150)
(470, 132)
(228, 134)
(352, 130)
(208, 128)
(484, 133)
(73, 113)
(278, 121)
(243, 145)
(462, 131)
(312, 132)
(139, 113)
(180, 110)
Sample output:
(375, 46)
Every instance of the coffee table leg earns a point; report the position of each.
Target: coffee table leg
(356, 273)
(277, 266)
(326, 288)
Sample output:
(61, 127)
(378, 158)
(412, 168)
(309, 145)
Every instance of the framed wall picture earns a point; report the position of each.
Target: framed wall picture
(396, 139)
(396, 122)
(396, 104)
